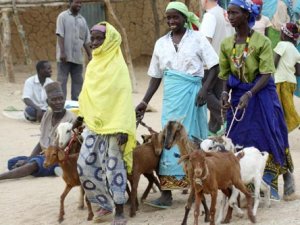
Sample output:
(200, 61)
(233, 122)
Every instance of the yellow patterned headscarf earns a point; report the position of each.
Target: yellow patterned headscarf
(105, 101)
(181, 7)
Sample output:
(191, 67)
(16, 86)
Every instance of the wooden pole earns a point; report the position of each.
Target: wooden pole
(126, 45)
(21, 32)
(156, 18)
(8, 65)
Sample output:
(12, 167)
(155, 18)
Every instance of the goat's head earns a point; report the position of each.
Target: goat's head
(197, 160)
(173, 132)
(53, 155)
(157, 140)
(218, 144)
(63, 134)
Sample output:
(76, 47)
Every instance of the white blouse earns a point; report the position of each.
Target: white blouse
(194, 51)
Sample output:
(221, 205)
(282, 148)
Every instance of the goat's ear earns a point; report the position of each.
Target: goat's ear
(184, 158)
(61, 155)
(146, 137)
(43, 152)
(157, 141)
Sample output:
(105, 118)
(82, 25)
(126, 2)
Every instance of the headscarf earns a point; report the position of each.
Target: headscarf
(191, 17)
(105, 100)
(99, 27)
(247, 5)
(290, 30)
(258, 2)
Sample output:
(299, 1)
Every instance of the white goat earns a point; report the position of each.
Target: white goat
(63, 134)
(252, 168)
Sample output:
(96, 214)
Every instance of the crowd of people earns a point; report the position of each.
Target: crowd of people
(228, 68)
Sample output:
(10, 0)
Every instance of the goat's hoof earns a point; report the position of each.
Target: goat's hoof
(60, 219)
(225, 222)
(81, 207)
(206, 220)
(90, 216)
(132, 214)
(252, 219)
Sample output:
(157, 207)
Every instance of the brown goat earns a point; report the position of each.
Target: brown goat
(213, 171)
(145, 161)
(68, 164)
(175, 134)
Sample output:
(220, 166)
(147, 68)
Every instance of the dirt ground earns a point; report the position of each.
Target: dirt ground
(35, 201)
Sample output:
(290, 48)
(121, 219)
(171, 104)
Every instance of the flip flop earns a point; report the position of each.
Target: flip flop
(158, 204)
(101, 214)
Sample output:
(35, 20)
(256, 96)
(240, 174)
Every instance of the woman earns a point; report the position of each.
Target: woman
(287, 63)
(255, 117)
(107, 108)
(178, 58)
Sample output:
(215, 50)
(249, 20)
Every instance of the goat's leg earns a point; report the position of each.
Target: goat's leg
(239, 185)
(266, 190)
(212, 211)
(188, 205)
(228, 217)
(90, 210)
(257, 184)
(135, 182)
(81, 198)
(233, 201)
(62, 199)
(197, 207)
(150, 178)
(222, 208)
(206, 211)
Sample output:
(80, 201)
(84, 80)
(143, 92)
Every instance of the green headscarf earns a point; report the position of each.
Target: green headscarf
(181, 7)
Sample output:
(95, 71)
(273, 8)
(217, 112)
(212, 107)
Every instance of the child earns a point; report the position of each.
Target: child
(262, 23)
(287, 63)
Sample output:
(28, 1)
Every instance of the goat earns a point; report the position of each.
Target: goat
(174, 133)
(213, 171)
(68, 164)
(145, 161)
(252, 168)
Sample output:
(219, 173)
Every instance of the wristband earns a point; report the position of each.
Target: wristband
(249, 93)
(144, 103)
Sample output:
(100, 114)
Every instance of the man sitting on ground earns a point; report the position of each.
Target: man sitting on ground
(22, 166)
(34, 95)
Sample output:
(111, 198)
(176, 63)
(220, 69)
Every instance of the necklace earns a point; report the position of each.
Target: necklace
(238, 63)
(174, 43)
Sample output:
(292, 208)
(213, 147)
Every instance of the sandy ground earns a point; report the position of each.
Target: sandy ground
(35, 201)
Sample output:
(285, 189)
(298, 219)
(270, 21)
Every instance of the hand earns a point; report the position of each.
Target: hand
(225, 104)
(244, 100)
(140, 110)
(19, 163)
(63, 57)
(122, 138)
(39, 115)
(78, 122)
(89, 57)
(201, 97)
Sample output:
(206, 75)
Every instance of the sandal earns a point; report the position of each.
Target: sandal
(159, 204)
(101, 215)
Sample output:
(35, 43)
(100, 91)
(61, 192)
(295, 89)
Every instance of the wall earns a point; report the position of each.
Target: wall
(135, 15)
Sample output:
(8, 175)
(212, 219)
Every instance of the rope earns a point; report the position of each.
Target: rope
(235, 119)
(139, 121)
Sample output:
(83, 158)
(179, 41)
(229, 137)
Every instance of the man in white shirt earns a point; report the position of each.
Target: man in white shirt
(215, 28)
(34, 95)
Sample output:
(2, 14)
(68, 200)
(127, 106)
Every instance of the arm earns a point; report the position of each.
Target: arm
(152, 88)
(276, 59)
(61, 45)
(37, 150)
(202, 95)
(261, 83)
(87, 48)
(297, 67)
(39, 111)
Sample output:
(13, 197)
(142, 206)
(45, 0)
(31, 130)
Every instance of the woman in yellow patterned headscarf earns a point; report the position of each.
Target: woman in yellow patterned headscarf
(106, 104)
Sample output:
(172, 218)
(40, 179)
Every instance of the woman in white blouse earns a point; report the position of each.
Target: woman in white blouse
(178, 59)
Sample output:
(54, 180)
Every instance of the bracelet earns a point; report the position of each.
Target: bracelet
(249, 93)
(144, 103)
(225, 93)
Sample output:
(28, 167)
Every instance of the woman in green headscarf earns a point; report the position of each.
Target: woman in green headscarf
(178, 58)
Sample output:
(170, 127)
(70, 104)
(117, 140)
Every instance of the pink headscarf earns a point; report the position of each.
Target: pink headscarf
(99, 27)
